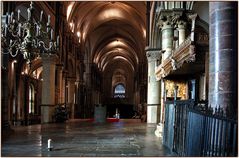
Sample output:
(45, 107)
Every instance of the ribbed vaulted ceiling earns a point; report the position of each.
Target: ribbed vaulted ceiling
(110, 32)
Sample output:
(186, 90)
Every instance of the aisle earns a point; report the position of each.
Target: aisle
(87, 139)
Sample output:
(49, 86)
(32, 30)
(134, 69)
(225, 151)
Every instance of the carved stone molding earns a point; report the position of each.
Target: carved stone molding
(170, 18)
(174, 63)
(153, 55)
(184, 53)
(181, 24)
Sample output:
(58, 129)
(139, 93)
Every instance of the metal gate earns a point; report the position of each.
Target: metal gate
(211, 134)
(180, 125)
(168, 125)
(193, 130)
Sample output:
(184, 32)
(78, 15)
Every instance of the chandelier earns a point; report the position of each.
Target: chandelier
(31, 38)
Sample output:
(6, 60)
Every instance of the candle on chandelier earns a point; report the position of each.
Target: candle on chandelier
(49, 19)
(19, 30)
(18, 14)
(41, 16)
(37, 30)
(40, 30)
(28, 14)
(6, 18)
(9, 18)
(58, 40)
(5, 31)
(51, 34)
(12, 16)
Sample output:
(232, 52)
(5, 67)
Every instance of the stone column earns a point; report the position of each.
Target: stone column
(181, 32)
(48, 88)
(193, 18)
(175, 39)
(60, 83)
(223, 56)
(71, 93)
(64, 84)
(153, 96)
(5, 93)
(167, 39)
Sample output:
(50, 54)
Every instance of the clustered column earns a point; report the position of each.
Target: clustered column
(223, 56)
(153, 96)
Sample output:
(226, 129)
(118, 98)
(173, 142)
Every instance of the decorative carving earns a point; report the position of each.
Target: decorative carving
(174, 63)
(162, 72)
(184, 53)
(202, 38)
(181, 24)
(192, 54)
(153, 55)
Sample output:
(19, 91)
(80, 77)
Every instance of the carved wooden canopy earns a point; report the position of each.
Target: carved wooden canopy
(184, 53)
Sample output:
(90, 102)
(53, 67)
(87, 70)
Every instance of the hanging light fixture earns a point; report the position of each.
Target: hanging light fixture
(30, 38)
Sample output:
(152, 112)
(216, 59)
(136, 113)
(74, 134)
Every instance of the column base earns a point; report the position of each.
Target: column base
(159, 130)
(152, 114)
(47, 113)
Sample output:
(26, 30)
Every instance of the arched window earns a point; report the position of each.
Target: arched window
(31, 108)
(119, 91)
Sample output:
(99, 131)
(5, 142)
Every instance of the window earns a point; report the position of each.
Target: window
(31, 99)
(119, 91)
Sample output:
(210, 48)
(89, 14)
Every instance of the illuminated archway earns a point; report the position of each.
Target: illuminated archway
(119, 91)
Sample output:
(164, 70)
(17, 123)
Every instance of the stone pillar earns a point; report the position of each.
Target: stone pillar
(223, 56)
(60, 83)
(64, 84)
(48, 88)
(162, 100)
(5, 93)
(175, 39)
(167, 39)
(153, 96)
(181, 32)
(71, 93)
(193, 18)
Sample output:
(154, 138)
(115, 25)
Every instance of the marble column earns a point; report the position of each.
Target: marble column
(153, 96)
(181, 32)
(48, 88)
(167, 40)
(223, 56)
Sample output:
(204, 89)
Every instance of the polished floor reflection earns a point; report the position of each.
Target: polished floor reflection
(77, 138)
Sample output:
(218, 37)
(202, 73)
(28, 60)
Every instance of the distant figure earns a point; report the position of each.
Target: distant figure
(144, 117)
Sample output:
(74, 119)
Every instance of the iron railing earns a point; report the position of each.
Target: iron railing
(193, 129)
(210, 134)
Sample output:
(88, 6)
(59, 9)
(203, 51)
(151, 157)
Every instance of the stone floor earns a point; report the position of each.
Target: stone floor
(87, 139)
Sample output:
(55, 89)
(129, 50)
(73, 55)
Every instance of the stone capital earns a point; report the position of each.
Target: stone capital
(168, 20)
(153, 54)
(181, 25)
